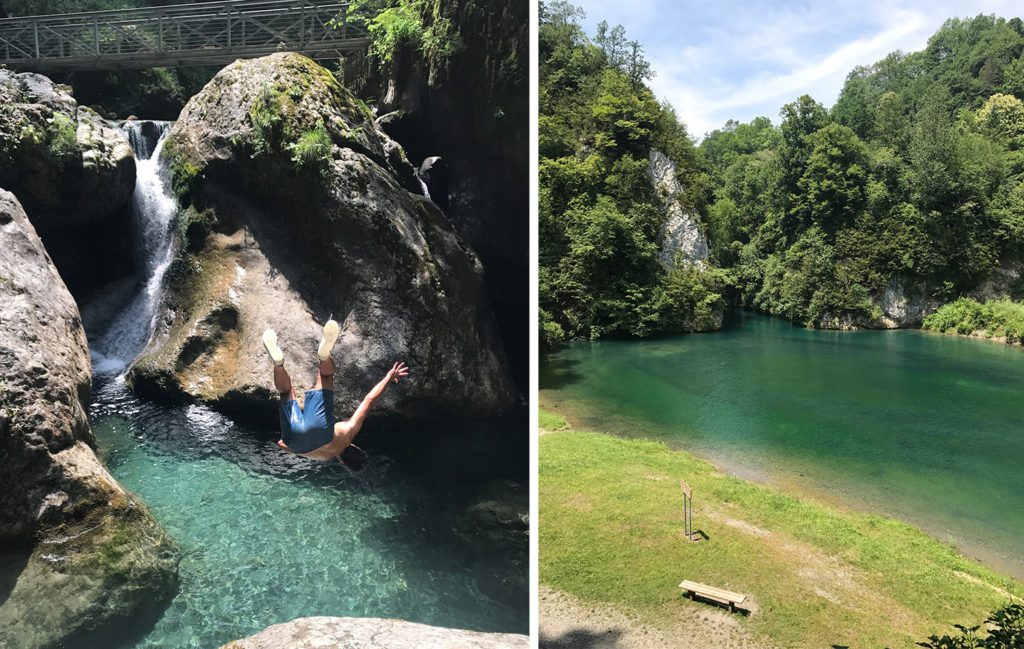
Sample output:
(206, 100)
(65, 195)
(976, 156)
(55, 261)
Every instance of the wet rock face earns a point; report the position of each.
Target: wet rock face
(73, 172)
(681, 235)
(291, 234)
(373, 633)
(472, 109)
(87, 552)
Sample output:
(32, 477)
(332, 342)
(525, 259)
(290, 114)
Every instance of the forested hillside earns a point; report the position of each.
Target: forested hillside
(905, 195)
(603, 268)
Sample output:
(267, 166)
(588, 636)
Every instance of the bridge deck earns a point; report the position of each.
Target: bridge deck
(191, 34)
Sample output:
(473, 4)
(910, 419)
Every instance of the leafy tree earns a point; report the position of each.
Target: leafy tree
(600, 217)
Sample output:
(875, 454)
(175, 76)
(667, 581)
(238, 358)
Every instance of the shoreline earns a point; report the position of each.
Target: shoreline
(999, 563)
(813, 575)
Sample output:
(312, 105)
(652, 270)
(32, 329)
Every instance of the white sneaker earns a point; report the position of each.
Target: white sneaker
(327, 341)
(270, 342)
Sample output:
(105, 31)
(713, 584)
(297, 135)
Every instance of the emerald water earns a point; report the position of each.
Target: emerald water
(267, 536)
(923, 427)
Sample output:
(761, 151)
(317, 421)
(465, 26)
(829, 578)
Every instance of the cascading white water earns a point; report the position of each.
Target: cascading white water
(153, 210)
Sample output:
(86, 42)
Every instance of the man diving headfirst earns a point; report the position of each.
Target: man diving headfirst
(310, 430)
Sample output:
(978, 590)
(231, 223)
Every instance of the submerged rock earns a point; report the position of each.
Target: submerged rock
(299, 208)
(681, 234)
(501, 514)
(86, 553)
(373, 633)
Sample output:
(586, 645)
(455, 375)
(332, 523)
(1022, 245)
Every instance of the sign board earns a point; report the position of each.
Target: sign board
(688, 512)
(686, 489)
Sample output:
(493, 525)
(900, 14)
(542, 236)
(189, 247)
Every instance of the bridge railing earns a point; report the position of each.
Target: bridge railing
(208, 32)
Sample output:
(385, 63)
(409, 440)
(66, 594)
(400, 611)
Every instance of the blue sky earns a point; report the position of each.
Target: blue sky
(731, 59)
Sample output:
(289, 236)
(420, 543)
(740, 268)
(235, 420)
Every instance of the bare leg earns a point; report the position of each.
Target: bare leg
(283, 383)
(325, 375)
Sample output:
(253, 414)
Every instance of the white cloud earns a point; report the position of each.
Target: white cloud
(737, 59)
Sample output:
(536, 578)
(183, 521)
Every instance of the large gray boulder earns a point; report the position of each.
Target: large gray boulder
(681, 236)
(373, 633)
(63, 161)
(298, 208)
(80, 551)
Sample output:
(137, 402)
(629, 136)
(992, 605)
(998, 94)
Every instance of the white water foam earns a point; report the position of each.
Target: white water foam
(154, 209)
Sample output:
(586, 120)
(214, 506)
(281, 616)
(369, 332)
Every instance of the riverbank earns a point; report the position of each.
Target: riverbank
(996, 320)
(814, 575)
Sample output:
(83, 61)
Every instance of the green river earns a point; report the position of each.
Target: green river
(923, 427)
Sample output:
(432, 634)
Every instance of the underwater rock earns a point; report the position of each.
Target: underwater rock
(373, 633)
(501, 514)
(308, 211)
(87, 552)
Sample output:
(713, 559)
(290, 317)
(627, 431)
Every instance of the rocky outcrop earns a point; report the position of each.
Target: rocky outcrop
(63, 161)
(904, 305)
(469, 104)
(74, 174)
(84, 551)
(373, 633)
(681, 235)
(298, 208)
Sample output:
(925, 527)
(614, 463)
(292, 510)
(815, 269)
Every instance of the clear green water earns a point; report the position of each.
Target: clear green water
(267, 537)
(924, 427)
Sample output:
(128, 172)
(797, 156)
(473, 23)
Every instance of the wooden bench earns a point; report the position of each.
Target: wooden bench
(719, 595)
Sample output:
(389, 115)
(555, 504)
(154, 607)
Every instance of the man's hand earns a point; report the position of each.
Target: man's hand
(397, 371)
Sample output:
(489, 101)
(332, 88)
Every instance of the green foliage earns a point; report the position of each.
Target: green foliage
(313, 149)
(550, 421)
(266, 117)
(994, 318)
(1004, 629)
(913, 180)
(183, 173)
(62, 138)
(414, 24)
(600, 216)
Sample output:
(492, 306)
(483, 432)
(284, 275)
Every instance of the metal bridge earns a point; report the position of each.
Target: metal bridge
(206, 33)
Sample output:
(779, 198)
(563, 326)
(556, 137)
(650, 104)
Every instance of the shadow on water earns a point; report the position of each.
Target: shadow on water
(119, 632)
(11, 565)
(555, 372)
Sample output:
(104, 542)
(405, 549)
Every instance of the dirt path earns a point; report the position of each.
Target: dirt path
(567, 623)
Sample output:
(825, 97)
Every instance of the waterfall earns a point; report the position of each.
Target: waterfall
(129, 325)
(423, 185)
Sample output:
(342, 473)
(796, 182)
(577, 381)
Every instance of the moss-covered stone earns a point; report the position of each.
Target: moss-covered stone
(314, 212)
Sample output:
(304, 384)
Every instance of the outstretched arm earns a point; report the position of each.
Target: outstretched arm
(355, 422)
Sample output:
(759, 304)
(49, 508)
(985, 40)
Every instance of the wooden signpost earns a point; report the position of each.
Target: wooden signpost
(688, 513)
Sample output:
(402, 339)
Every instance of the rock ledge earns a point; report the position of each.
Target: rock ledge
(373, 633)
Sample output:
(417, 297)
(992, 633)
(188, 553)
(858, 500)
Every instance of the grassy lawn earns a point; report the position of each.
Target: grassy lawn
(610, 531)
